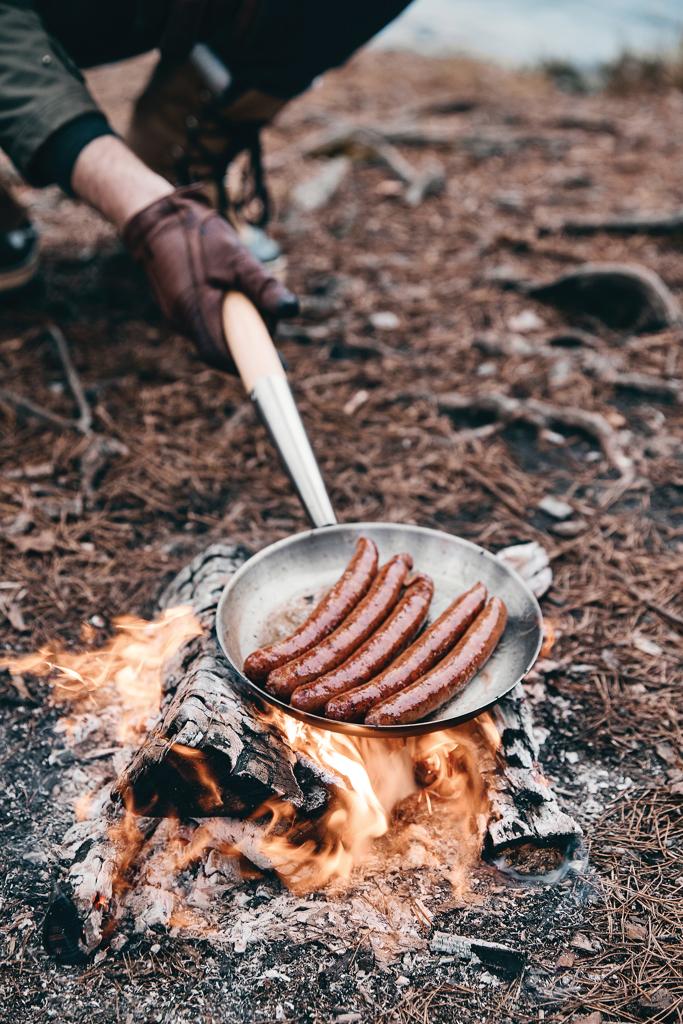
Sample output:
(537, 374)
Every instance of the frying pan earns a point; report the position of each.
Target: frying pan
(287, 573)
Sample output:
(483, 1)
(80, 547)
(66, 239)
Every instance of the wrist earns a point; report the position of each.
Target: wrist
(109, 177)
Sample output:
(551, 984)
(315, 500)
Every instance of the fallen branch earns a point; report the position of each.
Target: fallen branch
(635, 224)
(412, 134)
(372, 146)
(543, 415)
(317, 191)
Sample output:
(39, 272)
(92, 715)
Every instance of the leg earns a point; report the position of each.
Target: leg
(180, 131)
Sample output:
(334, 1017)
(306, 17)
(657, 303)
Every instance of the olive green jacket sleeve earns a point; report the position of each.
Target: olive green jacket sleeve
(41, 89)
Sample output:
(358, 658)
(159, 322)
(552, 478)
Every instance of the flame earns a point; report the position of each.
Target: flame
(550, 633)
(395, 804)
(381, 787)
(125, 672)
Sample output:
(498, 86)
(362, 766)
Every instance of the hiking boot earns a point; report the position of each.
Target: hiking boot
(180, 130)
(19, 244)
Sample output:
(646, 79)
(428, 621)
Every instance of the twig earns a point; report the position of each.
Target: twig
(25, 405)
(671, 617)
(84, 421)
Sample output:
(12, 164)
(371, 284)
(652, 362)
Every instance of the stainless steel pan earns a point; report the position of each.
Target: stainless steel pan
(301, 567)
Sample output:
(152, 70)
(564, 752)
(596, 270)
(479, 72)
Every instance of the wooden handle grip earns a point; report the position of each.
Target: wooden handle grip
(249, 342)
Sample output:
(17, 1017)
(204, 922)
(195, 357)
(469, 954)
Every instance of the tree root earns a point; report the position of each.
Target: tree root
(543, 415)
(624, 296)
(596, 362)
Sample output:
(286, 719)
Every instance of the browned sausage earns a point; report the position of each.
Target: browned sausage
(352, 585)
(380, 649)
(422, 655)
(357, 627)
(448, 677)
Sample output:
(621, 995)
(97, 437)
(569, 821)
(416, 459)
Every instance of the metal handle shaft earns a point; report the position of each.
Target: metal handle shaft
(259, 367)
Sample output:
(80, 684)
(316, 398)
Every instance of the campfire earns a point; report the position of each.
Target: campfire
(186, 807)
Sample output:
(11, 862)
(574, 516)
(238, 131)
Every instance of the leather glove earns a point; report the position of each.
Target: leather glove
(192, 257)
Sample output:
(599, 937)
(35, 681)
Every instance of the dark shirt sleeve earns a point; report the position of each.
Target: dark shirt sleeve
(47, 114)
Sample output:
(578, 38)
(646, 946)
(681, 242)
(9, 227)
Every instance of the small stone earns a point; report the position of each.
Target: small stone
(354, 403)
(555, 507)
(570, 528)
(647, 646)
(565, 960)
(35, 857)
(527, 320)
(571, 756)
(660, 1000)
(402, 981)
(385, 320)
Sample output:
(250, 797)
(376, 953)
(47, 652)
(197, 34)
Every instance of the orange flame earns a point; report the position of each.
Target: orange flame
(413, 800)
(126, 671)
(549, 637)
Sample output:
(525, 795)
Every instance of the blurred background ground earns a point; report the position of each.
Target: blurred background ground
(401, 305)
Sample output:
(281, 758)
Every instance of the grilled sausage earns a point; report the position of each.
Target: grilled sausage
(352, 585)
(357, 627)
(379, 650)
(448, 677)
(422, 655)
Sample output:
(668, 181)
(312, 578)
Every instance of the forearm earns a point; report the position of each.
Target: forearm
(109, 177)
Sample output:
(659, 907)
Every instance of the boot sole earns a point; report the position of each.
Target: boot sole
(11, 280)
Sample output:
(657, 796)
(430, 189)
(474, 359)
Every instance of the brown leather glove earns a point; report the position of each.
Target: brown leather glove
(192, 257)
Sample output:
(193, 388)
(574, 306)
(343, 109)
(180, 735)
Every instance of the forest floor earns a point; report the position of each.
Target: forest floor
(404, 307)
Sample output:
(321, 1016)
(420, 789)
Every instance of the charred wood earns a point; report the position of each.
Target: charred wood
(207, 730)
(527, 826)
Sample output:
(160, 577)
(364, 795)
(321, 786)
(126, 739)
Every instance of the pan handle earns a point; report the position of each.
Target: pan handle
(264, 379)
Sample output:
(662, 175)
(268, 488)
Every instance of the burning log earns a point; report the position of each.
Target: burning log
(527, 833)
(210, 752)
(214, 756)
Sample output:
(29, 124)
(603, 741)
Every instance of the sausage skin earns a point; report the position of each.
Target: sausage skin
(422, 655)
(450, 675)
(377, 651)
(361, 623)
(351, 586)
